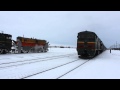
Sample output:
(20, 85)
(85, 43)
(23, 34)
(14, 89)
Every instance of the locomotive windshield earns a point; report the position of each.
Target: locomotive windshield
(8, 37)
(86, 36)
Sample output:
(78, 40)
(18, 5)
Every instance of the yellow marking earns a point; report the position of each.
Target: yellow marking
(87, 42)
(90, 42)
(22, 39)
(80, 42)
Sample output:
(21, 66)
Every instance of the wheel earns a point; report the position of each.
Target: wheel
(79, 56)
(3, 51)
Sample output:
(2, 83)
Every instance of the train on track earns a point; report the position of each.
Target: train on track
(21, 45)
(5, 43)
(89, 44)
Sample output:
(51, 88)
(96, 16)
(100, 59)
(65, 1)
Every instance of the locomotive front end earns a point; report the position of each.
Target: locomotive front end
(86, 44)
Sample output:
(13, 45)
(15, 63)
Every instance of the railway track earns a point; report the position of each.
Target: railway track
(51, 69)
(71, 70)
(23, 62)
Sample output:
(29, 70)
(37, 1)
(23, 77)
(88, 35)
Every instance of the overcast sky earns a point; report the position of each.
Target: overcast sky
(61, 27)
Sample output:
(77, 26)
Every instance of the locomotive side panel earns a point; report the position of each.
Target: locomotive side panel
(32, 45)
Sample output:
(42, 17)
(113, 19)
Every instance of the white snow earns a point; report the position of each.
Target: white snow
(40, 65)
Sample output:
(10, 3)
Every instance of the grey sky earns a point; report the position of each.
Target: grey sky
(61, 27)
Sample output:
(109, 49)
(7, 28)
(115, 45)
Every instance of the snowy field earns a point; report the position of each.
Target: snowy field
(60, 63)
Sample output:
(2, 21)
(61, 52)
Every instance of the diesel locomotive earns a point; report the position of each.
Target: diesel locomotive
(21, 45)
(89, 44)
(25, 45)
(5, 43)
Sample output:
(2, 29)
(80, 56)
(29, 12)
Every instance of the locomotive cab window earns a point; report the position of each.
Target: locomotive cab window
(91, 36)
(86, 36)
(10, 37)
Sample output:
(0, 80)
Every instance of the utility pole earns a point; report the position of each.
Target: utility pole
(116, 44)
(119, 46)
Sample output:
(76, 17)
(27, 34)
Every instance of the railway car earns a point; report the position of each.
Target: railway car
(5, 43)
(25, 45)
(89, 44)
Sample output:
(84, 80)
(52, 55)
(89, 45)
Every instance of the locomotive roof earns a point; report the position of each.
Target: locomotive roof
(87, 32)
(30, 38)
(5, 34)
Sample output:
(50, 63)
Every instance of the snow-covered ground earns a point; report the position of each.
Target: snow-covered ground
(58, 63)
